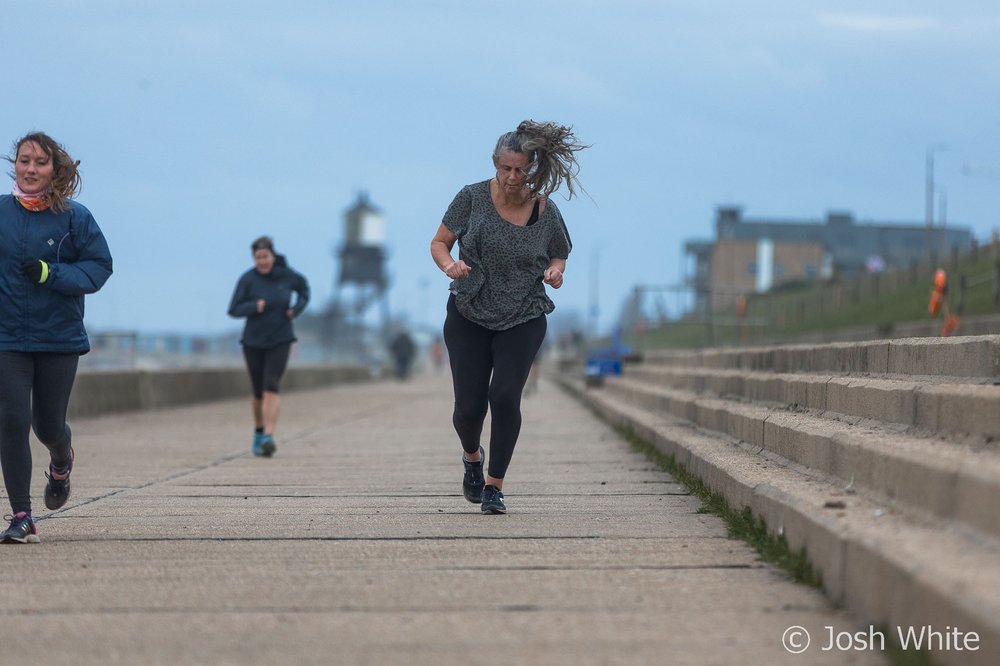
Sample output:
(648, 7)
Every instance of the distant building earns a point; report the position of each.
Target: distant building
(755, 255)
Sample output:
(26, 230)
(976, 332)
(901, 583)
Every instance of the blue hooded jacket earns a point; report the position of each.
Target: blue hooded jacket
(48, 317)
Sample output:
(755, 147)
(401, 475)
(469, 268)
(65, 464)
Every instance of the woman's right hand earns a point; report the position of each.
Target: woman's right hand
(260, 305)
(457, 269)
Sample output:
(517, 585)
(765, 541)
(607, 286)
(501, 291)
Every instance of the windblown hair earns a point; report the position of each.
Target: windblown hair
(262, 243)
(66, 180)
(551, 149)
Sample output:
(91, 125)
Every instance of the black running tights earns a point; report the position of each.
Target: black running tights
(488, 370)
(266, 367)
(34, 393)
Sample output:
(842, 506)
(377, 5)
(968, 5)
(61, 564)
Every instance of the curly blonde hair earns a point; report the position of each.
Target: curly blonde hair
(551, 149)
(66, 180)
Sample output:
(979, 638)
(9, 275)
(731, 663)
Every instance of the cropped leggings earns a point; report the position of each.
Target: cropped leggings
(34, 393)
(266, 366)
(488, 370)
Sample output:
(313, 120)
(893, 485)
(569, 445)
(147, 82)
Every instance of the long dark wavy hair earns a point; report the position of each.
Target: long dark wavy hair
(66, 180)
(551, 149)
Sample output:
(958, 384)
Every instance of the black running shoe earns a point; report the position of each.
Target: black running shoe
(473, 482)
(493, 500)
(21, 530)
(267, 446)
(57, 490)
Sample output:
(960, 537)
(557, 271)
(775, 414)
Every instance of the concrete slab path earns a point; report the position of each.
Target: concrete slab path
(353, 545)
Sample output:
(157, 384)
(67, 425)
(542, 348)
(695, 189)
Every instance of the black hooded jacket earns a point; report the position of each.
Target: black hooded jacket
(273, 326)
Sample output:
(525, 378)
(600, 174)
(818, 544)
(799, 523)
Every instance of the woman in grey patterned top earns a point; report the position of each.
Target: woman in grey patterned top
(512, 242)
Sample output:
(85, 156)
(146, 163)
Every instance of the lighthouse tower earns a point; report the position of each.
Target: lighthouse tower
(361, 285)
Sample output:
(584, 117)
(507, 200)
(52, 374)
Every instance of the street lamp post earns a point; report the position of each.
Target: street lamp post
(929, 195)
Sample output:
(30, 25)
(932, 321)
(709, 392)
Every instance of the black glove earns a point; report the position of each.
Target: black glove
(36, 271)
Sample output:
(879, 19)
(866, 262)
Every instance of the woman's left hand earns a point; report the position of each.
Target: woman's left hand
(553, 277)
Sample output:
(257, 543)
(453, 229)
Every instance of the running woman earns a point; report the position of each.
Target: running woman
(512, 242)
(263, 296)
(52, 253)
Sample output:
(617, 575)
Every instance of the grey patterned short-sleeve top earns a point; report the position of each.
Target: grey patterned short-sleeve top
(505, 286)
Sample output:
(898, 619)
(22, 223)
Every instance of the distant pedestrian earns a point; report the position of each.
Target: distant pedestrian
(512, 241)
(263, 296)
(403, 350)
(437, 354)
(52, 253)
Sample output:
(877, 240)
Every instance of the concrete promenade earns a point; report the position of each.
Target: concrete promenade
(353, 545)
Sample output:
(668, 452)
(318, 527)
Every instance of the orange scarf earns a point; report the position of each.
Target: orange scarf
(32, 202)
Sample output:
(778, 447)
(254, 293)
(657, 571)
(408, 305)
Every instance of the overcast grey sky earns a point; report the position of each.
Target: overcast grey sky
(201, 125)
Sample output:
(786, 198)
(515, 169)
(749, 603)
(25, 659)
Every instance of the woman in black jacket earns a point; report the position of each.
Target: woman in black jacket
(264, 296)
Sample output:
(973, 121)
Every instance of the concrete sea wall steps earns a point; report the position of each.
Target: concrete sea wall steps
(880, 459)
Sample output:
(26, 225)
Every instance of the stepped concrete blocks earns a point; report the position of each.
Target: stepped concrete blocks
(706, 358)
(684, 409)
(712, 415)
(691, 382)
(813, 528)
(789, 390)
(738, 491)
(745, 425)
(976, 496)
(864, 357)
(844, 456)
(826, 358)
(872, 399)
(873, 585)
(971, 356)
(880, 584)
(706, 414)
(756, 360)
(735, 384)
(812, 450)
(911, 477)
(861, 464)
(816, 390)
(960, 409)
(759, 388)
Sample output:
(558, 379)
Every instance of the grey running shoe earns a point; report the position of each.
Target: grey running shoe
(21, 530)
(493, 500)
(473, 482)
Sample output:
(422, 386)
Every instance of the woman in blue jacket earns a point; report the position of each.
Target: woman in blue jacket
(52, 253)
(264, 296)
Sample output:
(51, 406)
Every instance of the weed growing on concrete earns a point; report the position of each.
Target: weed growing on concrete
(897, 656)
(740, 523)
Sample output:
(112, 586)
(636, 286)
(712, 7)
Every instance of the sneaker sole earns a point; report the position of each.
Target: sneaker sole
(492, 510)
(31, 538)
(268, 449)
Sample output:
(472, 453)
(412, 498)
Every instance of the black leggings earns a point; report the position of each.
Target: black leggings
(266, 366)
(476, 353)
(34, 393)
